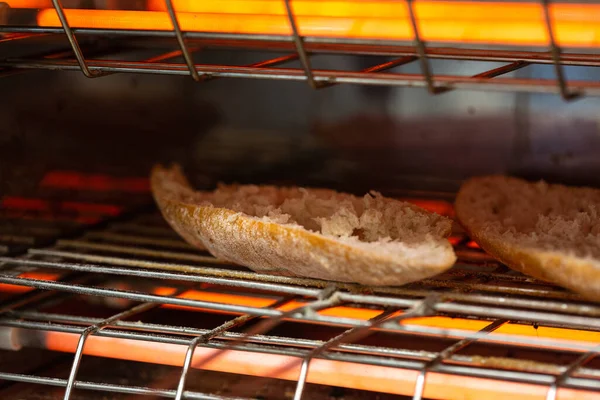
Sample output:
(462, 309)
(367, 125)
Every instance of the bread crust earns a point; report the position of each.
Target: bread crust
(558, 266)
(282, 249)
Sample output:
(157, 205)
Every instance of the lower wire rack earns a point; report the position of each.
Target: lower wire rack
(133, 291)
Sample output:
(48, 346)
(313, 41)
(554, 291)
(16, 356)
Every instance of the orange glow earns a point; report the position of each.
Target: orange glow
(260, 302)
(437, 206)
(94, 182)
(473, 245)
(34, 204)
(426, 10)
(45, 276)
(363, 314)
(28, 3)
(455, 240)
(484, 27)
(21, 203)
(325, 372)
(568, 336)
(542, 332)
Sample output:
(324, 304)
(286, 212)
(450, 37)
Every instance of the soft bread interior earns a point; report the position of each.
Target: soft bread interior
(538, 216)
(371, 221)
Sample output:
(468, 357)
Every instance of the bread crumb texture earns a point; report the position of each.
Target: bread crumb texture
(316, 233)
(551, 232)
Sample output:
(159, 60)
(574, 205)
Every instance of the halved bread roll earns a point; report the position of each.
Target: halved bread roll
(315, 233)
(551, 232)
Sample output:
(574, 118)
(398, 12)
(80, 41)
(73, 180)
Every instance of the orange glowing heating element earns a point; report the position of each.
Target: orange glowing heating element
(473, 245)
(436, 206)
(28, 3)
(327, 372)
(44, 276)
(364, 314)
(575, 25)
(94, 182)
(40, 205)
(322, 371)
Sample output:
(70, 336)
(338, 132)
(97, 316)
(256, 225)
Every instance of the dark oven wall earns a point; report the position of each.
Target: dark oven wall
(249, 130)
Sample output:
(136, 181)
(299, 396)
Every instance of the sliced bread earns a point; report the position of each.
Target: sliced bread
(551, 232)
(315, 233)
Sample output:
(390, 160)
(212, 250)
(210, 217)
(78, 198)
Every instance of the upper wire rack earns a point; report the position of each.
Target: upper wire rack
(303, 48)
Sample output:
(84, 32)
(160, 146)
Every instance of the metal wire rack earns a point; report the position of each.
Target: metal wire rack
(137, 264)
(302, 49)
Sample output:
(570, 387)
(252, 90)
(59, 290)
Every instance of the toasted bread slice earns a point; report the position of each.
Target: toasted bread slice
(315, 233)
(551, 232)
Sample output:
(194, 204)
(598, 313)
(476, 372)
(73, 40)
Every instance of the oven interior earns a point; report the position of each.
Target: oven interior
(100, 299)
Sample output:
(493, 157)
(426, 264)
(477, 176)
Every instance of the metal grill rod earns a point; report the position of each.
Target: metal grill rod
(280, 341)
(466, 256)
(496, 338)
(557, 319)
(111, 388)
(380, 67)
(37, 295)
(421, 309)
(199, 276)
(320, 76)
(396, 358)
(256, 343)
(240, 276)
(72, 40)
(555, 51)
(136, 240)
(298, 41)
(342, 46)
(560, 379)
(447, 352)
(261, 64)
(535, 378)
(494, 312)
(390, 64)
(135, 296)
(339, 45)
(141, 251)
(323, 302)
(181, 41)
(349, 335)
(422, 52)
(147, 230)
(204, 338)
(94, 329)
(505, 69)
(442, 282)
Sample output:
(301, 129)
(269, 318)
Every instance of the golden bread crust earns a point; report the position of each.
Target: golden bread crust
(283, 249)
(560, 266)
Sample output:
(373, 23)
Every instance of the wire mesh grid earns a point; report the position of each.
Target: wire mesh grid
(303, 48)
(142, 265)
